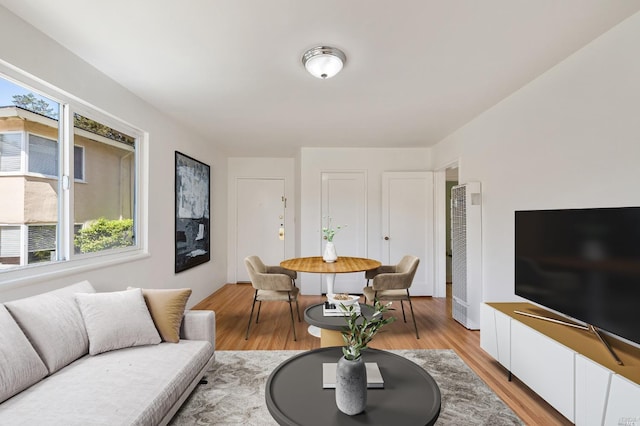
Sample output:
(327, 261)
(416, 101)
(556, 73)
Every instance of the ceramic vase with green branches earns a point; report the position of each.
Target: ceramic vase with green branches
(351, 373)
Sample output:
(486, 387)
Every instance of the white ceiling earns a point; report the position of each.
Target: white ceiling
(416, 70)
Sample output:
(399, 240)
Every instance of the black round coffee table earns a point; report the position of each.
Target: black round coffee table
(294, 393)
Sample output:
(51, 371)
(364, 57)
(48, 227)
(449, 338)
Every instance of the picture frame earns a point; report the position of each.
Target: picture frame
(192, 212)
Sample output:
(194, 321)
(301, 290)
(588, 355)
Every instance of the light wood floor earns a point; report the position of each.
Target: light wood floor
(232, 304)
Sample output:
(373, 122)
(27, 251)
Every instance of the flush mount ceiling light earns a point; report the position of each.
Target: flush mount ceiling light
(323, 62)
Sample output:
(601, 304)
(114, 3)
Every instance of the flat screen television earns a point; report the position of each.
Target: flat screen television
(583, 263)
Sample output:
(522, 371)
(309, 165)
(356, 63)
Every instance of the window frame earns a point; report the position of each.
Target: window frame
(68, 261)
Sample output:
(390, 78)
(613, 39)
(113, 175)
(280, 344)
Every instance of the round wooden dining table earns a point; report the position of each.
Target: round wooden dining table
(343, 265)
(315, 264)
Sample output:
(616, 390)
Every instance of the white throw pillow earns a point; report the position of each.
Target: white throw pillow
(117, 320)
(20, 366)
(53, 324)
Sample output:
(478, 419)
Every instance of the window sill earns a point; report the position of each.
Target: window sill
(38, 273)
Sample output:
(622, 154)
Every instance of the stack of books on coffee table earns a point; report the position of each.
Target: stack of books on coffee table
(331, 310)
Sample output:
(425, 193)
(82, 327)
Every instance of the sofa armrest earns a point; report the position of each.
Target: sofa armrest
(199, 325)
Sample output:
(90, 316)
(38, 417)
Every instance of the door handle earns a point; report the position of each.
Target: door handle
(386, 238)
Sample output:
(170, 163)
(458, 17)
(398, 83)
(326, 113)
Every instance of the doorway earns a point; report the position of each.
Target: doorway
(444, 179)
(451, 175)
(407, 224)
(260, 222)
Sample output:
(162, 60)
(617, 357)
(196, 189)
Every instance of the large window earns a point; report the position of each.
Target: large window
(38, 223)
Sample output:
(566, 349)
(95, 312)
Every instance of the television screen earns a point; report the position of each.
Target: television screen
(584, 263)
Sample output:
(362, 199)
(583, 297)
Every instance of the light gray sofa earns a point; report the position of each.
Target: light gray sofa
(48, 377)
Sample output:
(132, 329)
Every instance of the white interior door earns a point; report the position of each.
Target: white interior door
(344, 199)
(407, 224)
(260, 218)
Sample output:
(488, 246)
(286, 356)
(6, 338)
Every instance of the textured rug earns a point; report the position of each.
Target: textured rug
(234, 394)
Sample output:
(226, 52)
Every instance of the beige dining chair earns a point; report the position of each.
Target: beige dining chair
(391, 283)
(271, 283)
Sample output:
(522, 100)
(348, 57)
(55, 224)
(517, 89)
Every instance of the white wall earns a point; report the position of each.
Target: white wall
(569, 139)
(260, 168)
(31, 51)
(375, 161)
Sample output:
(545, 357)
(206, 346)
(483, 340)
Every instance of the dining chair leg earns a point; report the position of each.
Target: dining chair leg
(258, 315)
(403, 315)
(246, 337)
(293, 323)
(298, 310)
(415, 326)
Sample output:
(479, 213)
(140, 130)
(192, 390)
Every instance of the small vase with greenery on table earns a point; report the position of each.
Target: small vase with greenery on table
(328, 233)
(351, 373)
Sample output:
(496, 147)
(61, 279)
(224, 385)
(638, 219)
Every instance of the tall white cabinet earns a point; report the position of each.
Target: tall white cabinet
(568, 368)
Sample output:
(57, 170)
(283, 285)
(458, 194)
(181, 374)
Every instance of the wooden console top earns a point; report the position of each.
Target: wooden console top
(581, 341)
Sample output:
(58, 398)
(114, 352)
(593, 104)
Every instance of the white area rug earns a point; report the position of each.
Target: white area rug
(234, 394)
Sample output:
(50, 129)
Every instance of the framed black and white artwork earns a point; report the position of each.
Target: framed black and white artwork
(192, 199)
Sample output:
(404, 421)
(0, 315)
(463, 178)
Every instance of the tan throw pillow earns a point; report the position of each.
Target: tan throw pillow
(167, 308)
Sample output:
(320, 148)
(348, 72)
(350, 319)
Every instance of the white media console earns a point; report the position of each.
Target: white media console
(568, 367)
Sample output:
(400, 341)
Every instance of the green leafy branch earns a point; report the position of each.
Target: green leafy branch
(329, 232)
(358, 335)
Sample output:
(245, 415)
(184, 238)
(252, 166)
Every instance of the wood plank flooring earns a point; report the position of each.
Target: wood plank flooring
(232, 304)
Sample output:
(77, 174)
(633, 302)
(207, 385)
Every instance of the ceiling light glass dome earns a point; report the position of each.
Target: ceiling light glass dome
(323, 62)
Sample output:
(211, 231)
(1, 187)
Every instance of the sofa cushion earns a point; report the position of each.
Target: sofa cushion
(20, 365)
(53, 324)
(166, 307)
(132, 386)
(116, 320)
